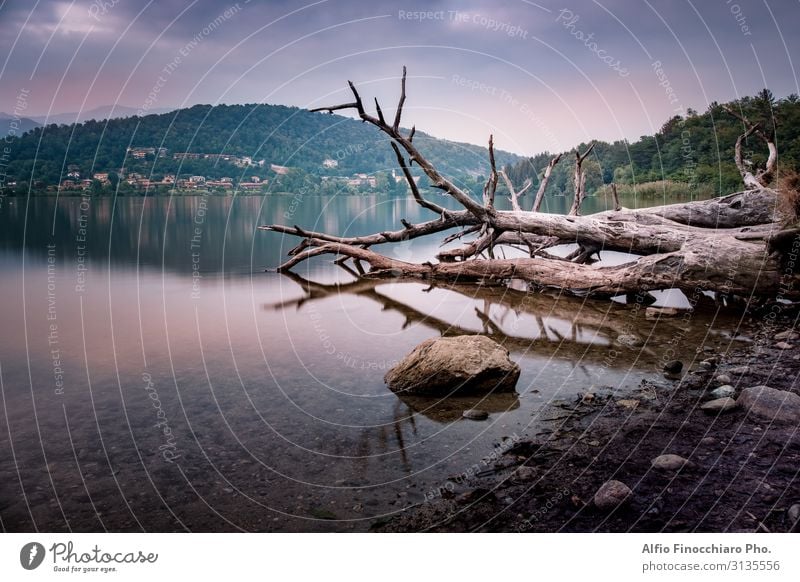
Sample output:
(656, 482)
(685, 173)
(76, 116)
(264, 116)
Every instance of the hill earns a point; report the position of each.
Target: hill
(9, 125)
(226, 141)
(694, 151)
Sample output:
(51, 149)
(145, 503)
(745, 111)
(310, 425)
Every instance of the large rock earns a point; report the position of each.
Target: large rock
(770, 404)
(466, 364)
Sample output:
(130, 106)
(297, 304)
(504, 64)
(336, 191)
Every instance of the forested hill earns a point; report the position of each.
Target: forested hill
(695, 149)
(279, 135)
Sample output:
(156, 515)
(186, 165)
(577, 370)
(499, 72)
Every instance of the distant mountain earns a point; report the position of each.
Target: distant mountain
(315, 145)
(10, 126)
(98, 113)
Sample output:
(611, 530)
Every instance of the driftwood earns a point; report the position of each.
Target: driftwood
(725, 245)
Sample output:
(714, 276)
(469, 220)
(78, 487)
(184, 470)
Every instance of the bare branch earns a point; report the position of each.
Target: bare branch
(437, 180)
(514, 195)
(762, 178)
(579, 181)
(413, 185)
(617, 205)
(537, 203)
(396, 124)
(491, 184)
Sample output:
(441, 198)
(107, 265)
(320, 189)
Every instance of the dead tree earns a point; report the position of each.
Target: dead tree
(722, 245)
(763, 176)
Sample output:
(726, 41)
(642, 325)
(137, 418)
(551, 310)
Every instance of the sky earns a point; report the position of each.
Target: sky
(540, 76)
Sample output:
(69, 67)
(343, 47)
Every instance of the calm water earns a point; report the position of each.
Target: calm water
(154, 377)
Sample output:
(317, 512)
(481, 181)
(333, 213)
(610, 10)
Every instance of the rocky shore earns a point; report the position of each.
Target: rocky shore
(712, 448)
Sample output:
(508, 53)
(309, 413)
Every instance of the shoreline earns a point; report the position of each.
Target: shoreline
(742, 472)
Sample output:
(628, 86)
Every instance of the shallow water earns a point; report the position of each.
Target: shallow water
(155, 377)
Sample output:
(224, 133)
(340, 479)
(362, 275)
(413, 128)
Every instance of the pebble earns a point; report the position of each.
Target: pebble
(629, 404)
(669, 462)
(630, 340)
(783, 346)
(740, 370)
(723, 379)
(794, 514)
(723, 391)
(657, 312)
(475, 414)
(611, 495)
(725, 404)
(525, 474)
(708, 441)
(673, 367)
(787, 335)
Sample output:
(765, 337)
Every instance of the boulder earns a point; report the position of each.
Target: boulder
(770, 404)
(611, 495)
(443, 366)
(673, 367)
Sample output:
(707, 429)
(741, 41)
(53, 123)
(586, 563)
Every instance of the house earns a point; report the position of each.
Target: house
(280, 170)
(197, 179)
(74, 174)
(330, 163)
(101, 176)
(67, 185)
(362, 179)
(219, 184)
(255, 179)
(250, 185)
(168, 179)
(186, 156)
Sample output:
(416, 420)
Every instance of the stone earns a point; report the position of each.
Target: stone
(740, 370)
(719, 405)
(770, 404)
(783, 346)
(443, 366)
(525, 474)
(673, 367)
(723, 379)
(787, 335)
(657, 312)
(630, 340)
(669, 462)
(723, 391)
(628, 403)
(475, 414)
(708, 441)
(794, 514)
(611, 495)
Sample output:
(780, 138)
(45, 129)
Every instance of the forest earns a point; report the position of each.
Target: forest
(690, 154)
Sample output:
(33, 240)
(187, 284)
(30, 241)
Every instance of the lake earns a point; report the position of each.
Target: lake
(156, 377)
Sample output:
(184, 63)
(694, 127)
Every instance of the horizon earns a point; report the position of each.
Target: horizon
(539, 76)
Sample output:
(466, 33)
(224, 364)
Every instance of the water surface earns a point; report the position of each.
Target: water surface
(155, 377)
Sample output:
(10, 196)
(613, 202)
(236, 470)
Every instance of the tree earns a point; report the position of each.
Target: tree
(731, 245)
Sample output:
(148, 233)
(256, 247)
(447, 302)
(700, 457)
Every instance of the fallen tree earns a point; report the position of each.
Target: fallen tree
(734, 245)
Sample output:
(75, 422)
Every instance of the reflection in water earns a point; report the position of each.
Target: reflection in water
(271, 386)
